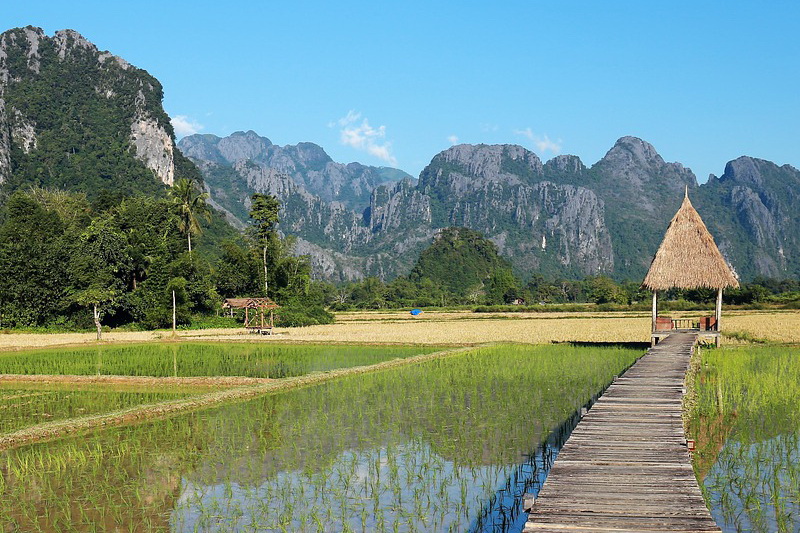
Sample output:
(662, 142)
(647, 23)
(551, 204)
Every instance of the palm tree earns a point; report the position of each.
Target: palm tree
(189, 204)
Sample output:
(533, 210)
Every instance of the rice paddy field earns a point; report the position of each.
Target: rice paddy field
(347, 427)
(746, 420)
(20, 408)
(446, 444)
(200, 359)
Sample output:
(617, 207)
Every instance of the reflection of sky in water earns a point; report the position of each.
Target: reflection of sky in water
(756, 487)
(403, 488)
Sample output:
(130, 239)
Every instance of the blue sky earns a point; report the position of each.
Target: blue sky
(395, 83)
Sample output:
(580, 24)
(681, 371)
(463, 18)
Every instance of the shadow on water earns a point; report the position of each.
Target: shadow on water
(626, 345)
(504, 512)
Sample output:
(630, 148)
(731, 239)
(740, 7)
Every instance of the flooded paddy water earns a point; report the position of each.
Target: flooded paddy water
(445, 445)
(747, 425)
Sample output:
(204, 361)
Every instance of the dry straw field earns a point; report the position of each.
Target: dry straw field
(456, 328)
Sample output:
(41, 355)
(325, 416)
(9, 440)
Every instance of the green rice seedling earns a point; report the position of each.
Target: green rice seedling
(200, 359)
(747, 422)
(423, 447)
(27, 408)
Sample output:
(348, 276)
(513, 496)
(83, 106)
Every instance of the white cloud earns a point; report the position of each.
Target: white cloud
(184, 126)
(541, 143)
(489, 128)
(357, 133)
(453, 139)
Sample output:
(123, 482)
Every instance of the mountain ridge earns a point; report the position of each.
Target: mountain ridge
(76, 118)
(558, 216)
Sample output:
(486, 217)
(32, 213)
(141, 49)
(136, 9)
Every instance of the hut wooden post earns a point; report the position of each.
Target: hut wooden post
(655, 310)
(718, 315)
(259, 320)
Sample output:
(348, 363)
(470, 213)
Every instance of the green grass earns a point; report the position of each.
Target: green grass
(200, 359)
(423, 447)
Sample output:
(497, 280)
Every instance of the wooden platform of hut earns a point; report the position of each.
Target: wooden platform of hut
(258, 313)
(626, 466)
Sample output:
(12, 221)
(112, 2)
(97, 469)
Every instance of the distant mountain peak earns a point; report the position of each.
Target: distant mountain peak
(565, 163)
(306, 164)
(633, 150)
(746, 170)
(487, 162)
(249, 135)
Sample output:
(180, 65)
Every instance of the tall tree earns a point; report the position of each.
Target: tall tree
(34, 253)
(100, 267)
(189, 204)
(264, 212)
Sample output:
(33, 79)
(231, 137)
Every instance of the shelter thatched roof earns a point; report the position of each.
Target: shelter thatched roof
(249, 303)
(688, 258)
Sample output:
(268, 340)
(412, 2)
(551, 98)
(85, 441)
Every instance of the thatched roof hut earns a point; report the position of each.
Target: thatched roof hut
(688, 258)
(249, 303)
(257, 320)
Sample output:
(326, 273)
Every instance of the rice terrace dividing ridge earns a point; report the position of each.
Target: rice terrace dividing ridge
(626, 467)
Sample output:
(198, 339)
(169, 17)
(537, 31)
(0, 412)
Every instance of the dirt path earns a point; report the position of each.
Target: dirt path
(219, 381)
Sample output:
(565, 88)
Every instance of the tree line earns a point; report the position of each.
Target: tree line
(68, 262)
(405, 292)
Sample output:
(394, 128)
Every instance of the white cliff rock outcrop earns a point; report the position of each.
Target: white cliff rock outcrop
(154, 147)
(27, 53)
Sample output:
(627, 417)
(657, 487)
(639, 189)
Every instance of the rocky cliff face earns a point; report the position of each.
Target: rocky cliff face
(39, 73)
(640, 192)
(306, 164)
(560, 217)
(499, 190)
(753, 209)
(637, 175)
(333, 208)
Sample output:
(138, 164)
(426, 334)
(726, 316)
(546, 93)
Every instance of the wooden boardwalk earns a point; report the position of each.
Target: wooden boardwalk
(626, 466)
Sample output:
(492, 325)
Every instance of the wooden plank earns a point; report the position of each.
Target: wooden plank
(625, 467)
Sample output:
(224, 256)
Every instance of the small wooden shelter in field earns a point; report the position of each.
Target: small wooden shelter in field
(688, 258)
(258, 312)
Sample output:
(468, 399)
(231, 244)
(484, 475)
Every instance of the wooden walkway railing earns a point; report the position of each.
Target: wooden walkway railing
(626, 466)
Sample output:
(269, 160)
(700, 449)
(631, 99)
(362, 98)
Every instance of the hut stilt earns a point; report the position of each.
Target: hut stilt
(257, 320)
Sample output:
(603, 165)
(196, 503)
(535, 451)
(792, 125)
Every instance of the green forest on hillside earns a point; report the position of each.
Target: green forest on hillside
(60, 255)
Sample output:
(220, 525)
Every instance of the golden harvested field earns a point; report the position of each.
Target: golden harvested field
(454, 328)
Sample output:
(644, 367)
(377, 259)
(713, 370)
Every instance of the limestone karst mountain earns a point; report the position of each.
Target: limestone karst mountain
(77, 118)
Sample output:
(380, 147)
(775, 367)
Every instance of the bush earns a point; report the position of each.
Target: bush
(295, 315)
(212, 322)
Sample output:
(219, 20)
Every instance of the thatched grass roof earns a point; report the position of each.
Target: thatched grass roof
(249, 303)
(688, 258)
